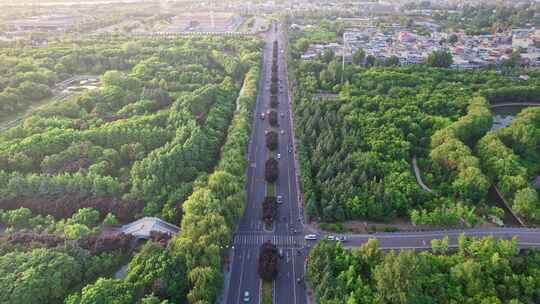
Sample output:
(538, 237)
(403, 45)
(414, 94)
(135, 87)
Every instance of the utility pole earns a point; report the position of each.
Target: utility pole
(342, 62)
(343, 58)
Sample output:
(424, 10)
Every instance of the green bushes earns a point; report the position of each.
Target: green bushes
(448, 214)
(469, 128)
(156, 178)
(454, 159)
(333, 227)
(523, 136)
(211, 212)
(38, 276)
(478, 271)
(26, 83)
(504, 169)
(43, 275)
(81, 224)
(513, 94)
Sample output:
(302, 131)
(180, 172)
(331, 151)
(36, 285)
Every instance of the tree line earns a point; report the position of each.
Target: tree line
(477, 271)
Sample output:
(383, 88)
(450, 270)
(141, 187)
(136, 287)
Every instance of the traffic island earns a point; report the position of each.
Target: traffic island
(267, 292)
(267, 269)
(269, 212)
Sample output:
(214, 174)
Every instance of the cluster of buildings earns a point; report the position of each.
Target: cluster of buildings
(44, 23)
(19, 29)
(469, 52)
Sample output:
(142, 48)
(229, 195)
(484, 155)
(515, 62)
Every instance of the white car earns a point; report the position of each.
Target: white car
(278, 156)
(311, 237)
(246, 296)
(282, 132)
(265, 132)
(279, 199)
(331, 238)
(341, 238)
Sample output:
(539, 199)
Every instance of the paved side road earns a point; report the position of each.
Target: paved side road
(526, 237)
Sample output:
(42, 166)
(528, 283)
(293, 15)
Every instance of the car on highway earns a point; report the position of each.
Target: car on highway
(278, 156)
(341, 239)
(282, 114)
(280, 252)
(311, 237)
(279, 199)
(282, 132)
(331, 238)
(246, 296)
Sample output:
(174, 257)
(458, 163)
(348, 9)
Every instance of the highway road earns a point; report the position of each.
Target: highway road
(289, 230)
(250, 232)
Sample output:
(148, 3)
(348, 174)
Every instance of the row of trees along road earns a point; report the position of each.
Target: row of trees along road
(268, 252)
(478, 271)
(271, 170)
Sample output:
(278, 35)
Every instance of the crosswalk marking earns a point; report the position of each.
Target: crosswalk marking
(278, 240)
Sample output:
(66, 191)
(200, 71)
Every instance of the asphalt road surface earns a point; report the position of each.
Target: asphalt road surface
(526, 237)
(288, 233)
(251, 233)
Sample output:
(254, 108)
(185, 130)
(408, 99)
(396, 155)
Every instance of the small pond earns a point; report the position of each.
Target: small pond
(503, 116)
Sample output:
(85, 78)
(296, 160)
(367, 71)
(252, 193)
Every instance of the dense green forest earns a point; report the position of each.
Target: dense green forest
(162, 105)
(165, 134)
(355, 152)
(477, 271)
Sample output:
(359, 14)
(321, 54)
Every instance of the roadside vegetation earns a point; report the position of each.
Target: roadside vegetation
(477, 271)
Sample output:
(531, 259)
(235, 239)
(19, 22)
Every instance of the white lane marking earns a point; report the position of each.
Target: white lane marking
(274, 291)
(528, 244)
(444, 233)
(227, 288)
(241, 276)
(260, 291)
(294, 277)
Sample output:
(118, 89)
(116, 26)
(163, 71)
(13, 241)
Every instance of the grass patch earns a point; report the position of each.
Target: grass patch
(333, 227)
(267, 289)
(391, 229)
(269, 189)
(268, 227)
